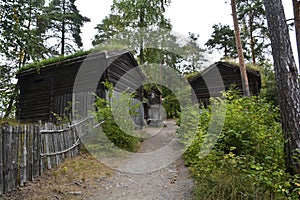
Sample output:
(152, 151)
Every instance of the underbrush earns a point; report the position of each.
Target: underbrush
(117, 129)
(247, 162)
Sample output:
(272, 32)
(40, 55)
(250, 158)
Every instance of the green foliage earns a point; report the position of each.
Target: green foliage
(252, 21)
(20, 39)
(268, 87)
(121, 132)
(170, 104)
(6, 88)
(20, 43)
(142, 27)
(63, 22)
(223, 38)
(248, 160)
(254, 33)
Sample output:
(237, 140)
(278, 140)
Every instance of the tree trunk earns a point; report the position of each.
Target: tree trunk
(12, 100)
(243, 69)
(63, 30)
(142, 26)
(252, 42)
(296, 5)
(287, 82)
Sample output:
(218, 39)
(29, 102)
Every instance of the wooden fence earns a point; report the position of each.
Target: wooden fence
(26, 151)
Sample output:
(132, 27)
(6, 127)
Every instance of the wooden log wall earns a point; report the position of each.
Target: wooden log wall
(47, 93)
(229, 74)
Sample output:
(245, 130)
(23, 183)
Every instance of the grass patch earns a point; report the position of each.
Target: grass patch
(79, 174)
(38, 65)
(249, 66)
(10, 122)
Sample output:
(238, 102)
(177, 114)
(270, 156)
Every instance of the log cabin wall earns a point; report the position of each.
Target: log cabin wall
(49, 91)
(230, 75)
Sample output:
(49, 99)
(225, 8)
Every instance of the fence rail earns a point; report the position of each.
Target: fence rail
(26, 151)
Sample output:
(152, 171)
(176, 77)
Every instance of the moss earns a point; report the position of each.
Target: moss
(191, 75)
(38, 65)
(43, 63)
(249, 66)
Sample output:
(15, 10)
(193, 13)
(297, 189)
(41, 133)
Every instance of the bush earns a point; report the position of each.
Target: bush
(123, 138)
(248, 160)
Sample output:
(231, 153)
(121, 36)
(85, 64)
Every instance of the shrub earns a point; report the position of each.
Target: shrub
(248, 160)
(126, 137)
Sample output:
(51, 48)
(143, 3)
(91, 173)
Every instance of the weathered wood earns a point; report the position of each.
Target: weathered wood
(49, 91)
(1, 160)
(23, 153)
(10, 160)
(36, 144)
(15, 160)
(27, 150)
(30, 154)
(47, 148)
(230, 75)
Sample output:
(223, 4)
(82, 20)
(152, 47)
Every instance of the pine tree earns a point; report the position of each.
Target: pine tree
(244, 76)
(287, 82)
(223, 39)
(133, 17)
(296, 5)
(20, 42)
(251, 16)
(140, 24)
(64, 26)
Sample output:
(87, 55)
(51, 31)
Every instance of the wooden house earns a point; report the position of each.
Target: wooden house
(49, 91)
(152, 107)
(219, 76)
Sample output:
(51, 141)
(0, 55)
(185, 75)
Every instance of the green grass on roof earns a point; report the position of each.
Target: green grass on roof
(42, 63)
(249, 66)
(191, 75)
(38, 65)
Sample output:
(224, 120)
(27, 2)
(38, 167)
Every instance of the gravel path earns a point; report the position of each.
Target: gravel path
(157, 172)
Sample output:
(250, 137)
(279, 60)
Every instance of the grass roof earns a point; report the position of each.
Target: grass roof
(38, 65)
(249, 66)
(191, 75)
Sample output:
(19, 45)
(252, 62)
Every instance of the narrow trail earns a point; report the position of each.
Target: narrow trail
(158, 172)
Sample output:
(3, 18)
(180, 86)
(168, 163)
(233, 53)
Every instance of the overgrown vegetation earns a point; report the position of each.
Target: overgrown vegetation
(248, 160)
(62, 58)
(119, 131)
(268, 84)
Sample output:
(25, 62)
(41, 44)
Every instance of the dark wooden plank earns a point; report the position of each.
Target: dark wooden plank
(9, 160)
(1, 160)
(39, 149)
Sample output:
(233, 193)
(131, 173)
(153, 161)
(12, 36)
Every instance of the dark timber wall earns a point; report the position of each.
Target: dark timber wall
(50, 90)
(230, 75)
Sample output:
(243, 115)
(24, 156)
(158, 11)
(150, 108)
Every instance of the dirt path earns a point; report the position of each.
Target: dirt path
(158, 172)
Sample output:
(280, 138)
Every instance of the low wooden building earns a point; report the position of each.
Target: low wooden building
(152, 107)
(49, 91)
(219, 76)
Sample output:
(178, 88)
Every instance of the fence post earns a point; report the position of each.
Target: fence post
(47, 148)
(23, 177)
(39, 144)
(1, 161)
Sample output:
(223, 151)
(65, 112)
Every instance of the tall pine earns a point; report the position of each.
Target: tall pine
(21, 42)
(64, 26)
(287, 82)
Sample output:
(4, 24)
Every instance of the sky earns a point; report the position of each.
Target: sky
(186, 16)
